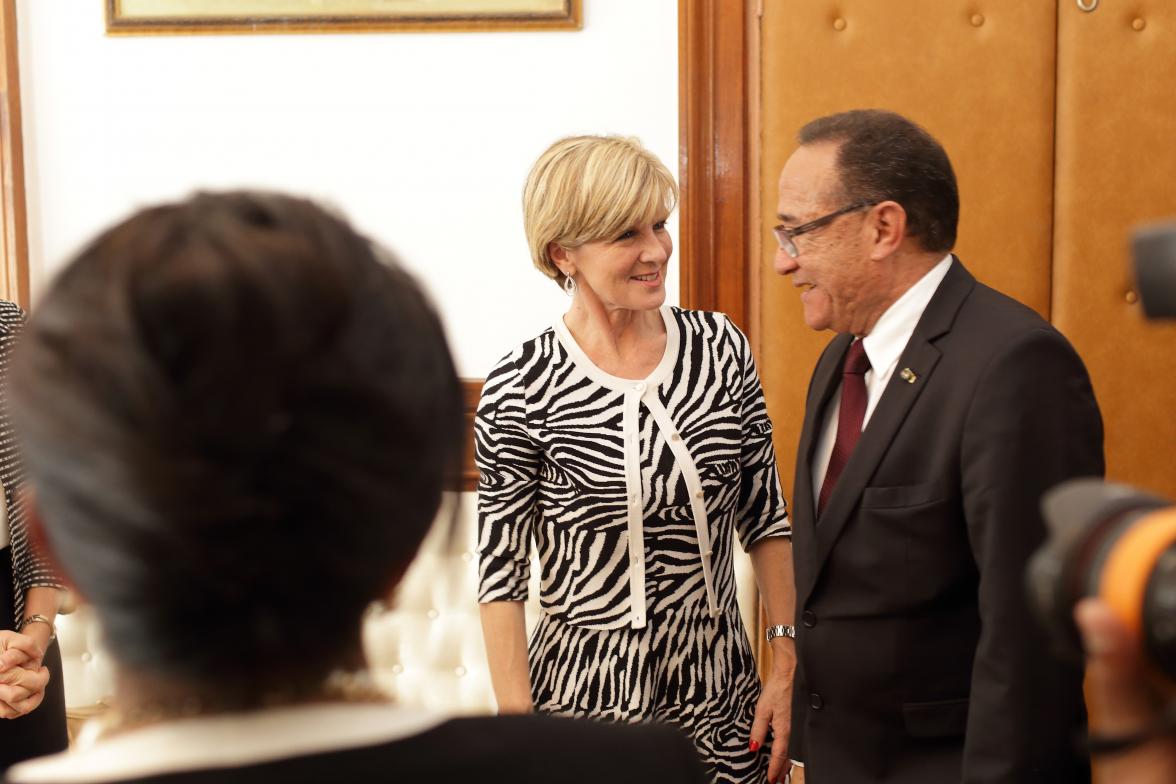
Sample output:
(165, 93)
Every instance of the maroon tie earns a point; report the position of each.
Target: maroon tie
(849, 418)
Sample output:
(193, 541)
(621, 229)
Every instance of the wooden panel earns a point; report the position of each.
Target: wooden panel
(14, 280)
(713, 160)
(981, 81)
(1116, 154)
(471, 390)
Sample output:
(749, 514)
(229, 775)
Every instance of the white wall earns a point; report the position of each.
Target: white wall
(423, 139)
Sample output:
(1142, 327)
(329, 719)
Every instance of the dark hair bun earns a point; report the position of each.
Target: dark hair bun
(239, 421)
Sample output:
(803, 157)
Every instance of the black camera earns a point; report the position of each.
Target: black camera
(1115, 543)
(1154, 251)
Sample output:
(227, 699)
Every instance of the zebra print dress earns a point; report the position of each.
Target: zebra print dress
(631, 491)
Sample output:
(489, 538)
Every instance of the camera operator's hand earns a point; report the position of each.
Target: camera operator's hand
(1122, 700)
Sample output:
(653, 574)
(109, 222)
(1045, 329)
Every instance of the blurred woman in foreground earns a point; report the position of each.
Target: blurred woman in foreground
(238, 421)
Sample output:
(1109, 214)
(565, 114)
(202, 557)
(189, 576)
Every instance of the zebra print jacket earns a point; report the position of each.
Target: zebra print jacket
(582, 462)
(28, 570)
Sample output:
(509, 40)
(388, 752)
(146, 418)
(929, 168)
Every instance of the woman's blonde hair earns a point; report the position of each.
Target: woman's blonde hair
(588, 188)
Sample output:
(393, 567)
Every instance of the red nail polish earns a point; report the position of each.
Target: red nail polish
(754, 745)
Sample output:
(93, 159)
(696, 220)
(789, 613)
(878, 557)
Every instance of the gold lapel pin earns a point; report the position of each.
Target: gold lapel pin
(908, 376)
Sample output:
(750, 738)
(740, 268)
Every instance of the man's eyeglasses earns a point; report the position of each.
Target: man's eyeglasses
(785, 236)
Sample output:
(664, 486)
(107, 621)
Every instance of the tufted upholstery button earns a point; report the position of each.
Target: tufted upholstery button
(1138, 24)
(839, 24)
(808, 618)
(977, 20)
(432, 615)
(816, 701)
(1131, 297)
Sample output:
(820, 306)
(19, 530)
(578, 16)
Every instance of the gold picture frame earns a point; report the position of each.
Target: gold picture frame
(150, 17)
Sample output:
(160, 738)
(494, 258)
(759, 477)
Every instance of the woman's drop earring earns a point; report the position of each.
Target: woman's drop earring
(569, 285)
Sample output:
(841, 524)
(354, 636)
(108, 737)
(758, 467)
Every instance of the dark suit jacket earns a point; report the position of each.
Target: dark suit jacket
(919, 660)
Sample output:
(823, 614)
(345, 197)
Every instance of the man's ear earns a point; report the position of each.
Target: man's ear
(887, 224)
(38, 539)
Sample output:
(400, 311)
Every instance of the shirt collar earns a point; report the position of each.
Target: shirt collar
(885, 343)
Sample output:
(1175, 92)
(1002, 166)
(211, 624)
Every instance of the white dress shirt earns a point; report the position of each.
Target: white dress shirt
(884, 345)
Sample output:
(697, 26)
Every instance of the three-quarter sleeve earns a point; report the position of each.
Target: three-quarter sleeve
(763, 512)
(508, 466)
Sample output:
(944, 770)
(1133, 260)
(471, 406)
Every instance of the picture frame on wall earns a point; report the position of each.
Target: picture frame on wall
(147, 17)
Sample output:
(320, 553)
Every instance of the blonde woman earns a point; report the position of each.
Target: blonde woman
(629, 441)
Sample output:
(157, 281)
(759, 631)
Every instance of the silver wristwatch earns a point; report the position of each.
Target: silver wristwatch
(772, 632)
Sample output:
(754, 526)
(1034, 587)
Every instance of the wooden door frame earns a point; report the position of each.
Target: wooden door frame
(718, 142)
(14, 243)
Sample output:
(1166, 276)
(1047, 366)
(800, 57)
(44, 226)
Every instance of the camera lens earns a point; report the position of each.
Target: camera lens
(1116, 543)
(1159, 613)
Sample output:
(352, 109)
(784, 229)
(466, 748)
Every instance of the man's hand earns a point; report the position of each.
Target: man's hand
(1122, 700)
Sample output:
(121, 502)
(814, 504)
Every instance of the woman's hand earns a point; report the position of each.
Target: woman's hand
(22, 678)
(774, 709)
(20, 650)
(771, 559)
(21, 691)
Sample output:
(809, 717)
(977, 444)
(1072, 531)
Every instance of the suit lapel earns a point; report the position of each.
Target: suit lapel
(921, 357)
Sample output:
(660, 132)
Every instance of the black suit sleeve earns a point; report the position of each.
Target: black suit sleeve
(1033, 422)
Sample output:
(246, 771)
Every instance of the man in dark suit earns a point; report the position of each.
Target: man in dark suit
(934, 421)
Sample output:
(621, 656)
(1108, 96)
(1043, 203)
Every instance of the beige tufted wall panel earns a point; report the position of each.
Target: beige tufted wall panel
(978, 74)
(1116, 168)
